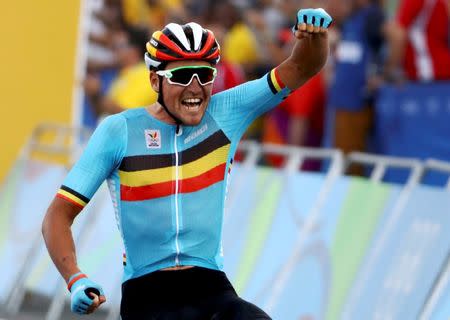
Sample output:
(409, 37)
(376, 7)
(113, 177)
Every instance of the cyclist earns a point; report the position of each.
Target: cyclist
(167, 166)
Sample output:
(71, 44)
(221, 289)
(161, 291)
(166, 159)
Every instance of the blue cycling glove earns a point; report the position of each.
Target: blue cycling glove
(317, 17)
(79, 286)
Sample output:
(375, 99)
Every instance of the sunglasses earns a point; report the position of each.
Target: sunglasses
(183, 76)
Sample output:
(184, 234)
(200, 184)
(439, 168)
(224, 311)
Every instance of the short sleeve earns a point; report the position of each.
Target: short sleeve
(235, 109)
(102, 155)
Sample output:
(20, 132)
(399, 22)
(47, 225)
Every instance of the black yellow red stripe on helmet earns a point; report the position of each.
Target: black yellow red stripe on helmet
(166, 49)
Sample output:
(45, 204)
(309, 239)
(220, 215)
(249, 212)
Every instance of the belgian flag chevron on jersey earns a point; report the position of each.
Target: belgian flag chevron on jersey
(146, 177)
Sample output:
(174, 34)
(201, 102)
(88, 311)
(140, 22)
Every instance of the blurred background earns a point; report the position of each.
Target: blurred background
(345, 213)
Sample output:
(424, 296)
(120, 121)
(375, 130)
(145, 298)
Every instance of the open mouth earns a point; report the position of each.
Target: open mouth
(192, 103)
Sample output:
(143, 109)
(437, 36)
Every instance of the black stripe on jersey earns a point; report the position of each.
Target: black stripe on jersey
(136, 163)
(76, 194)
(271, 86)
(215, 141)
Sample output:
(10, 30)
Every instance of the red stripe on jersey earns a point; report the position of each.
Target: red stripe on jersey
(164, 189)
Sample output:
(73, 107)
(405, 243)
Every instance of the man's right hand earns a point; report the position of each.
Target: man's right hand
(85, 295)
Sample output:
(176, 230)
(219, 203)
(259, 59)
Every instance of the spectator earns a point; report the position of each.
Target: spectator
(100, 55)
(239, 47)
(130, 88)
(229, 74)
(350, 105)
(267, 27)
(419, 45)
(415, 118)
(149, 14)
(239, 43)
(298, 120)
(271, 15)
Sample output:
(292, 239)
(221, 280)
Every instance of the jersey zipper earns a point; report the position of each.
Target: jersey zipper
(177, 219)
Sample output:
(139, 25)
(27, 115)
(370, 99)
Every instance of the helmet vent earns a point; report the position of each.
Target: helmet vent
(178, 32)
(197, 33)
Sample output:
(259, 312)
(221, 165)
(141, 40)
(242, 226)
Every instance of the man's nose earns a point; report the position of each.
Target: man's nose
(195, 84)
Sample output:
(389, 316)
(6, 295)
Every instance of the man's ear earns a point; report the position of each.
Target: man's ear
(154, 81)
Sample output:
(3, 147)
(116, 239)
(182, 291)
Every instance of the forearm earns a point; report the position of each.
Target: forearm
(60, 245)
(308, 57)
(58, 237)
(396, 37)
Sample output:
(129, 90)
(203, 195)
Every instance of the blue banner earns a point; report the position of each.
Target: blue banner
(276, 257)
(407, 256)
(413, 120)
(442, 309)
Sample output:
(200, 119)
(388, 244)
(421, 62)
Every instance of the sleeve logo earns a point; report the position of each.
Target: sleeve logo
(153, 139)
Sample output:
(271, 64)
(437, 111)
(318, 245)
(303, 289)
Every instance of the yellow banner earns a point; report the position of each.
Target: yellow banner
(37, 55)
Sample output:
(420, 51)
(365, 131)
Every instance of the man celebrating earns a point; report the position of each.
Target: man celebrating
(167, 166)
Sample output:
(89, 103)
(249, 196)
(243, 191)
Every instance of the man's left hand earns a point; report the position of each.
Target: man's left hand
(311, 21)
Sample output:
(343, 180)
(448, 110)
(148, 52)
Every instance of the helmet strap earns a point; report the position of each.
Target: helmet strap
(161, 102)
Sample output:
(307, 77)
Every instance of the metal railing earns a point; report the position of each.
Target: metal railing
(443, 282)
(59, 146)
(295, 157)
(380, 165)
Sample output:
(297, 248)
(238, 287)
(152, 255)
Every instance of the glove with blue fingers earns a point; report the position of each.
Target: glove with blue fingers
(312, 21)
(80, 288)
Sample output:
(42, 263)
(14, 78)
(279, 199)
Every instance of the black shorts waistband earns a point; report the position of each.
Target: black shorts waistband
(196, 282)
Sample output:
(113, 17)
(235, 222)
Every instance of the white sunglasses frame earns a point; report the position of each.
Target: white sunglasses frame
(168, 74)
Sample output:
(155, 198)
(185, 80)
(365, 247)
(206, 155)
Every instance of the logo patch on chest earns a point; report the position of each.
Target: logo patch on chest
(196, 133)
(153, 139)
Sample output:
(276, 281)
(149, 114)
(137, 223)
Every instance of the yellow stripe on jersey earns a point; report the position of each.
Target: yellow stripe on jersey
(186, 171)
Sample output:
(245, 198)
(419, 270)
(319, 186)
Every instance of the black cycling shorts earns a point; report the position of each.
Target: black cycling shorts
(195, 293)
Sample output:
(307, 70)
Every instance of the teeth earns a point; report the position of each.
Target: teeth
(192, 100)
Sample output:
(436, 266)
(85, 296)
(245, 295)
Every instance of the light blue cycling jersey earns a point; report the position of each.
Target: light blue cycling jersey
(167, 186)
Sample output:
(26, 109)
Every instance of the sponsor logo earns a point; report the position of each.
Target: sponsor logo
(196, 133)
(153, 139)
(153, 42)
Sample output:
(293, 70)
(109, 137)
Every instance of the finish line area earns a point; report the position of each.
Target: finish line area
(296, 243)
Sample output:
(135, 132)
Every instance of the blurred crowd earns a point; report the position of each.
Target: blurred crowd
(373, 42)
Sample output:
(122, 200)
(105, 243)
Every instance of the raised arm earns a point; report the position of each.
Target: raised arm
(310, 51)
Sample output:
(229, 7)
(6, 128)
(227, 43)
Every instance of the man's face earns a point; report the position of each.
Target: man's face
(187, 103)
